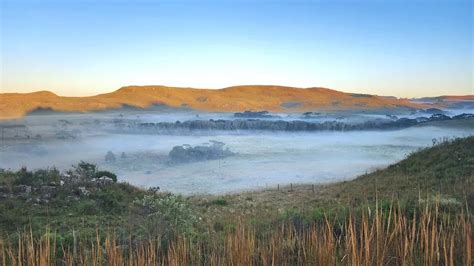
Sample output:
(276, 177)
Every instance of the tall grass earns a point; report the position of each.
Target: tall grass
(374, 237)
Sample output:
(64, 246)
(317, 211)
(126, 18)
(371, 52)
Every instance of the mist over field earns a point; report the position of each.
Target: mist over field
(257, 158)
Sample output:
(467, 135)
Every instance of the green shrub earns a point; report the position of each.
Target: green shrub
(220, 202)
(167, 214)
(108, 174)
(85, 170)
(36, 178)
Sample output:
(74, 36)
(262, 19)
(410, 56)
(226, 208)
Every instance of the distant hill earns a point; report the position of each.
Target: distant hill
(454, 102)
(231, 99)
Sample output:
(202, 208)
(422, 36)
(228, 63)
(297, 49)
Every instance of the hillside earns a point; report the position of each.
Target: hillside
(394, 212)
(445, 170)
(231, 99)
(448, 101)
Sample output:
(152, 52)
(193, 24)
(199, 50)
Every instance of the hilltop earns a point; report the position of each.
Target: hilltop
(231, 99)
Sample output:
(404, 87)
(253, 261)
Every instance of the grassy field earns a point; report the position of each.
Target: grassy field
(417, 211)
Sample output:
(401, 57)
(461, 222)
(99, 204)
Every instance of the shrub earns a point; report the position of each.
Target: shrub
(220, 202)
(167, 215)
(85, 170)
(36, 178)
(108, 174)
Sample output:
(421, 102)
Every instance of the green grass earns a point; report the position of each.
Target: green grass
(444, 172)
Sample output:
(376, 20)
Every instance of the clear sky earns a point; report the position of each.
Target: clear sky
(401, 48)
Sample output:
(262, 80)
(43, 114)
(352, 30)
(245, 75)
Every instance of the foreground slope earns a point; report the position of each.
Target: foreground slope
(90, 220)
(232, 99)
(445, 170)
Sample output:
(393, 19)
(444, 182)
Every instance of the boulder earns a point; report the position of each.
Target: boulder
(83, 192)
(104, 181)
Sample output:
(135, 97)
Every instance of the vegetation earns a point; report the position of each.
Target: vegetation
(417, 211)
(377, 238)
(186, 153)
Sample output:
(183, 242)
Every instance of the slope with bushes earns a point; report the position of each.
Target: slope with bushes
(417, 211)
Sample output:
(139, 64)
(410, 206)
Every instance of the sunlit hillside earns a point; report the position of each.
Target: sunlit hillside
(232, 99)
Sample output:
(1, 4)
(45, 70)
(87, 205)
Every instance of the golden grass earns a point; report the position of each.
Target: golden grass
(373, 238)
(232, 99)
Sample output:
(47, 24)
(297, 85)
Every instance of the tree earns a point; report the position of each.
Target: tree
(108, 174)
(85, 170)
(110, 157)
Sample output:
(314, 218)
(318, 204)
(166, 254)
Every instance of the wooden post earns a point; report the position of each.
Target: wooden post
(278, 187)
(312, 188)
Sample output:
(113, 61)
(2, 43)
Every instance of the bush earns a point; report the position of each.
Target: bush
(108, 174)
(85, 170)
(36, 178)
(167, 215)
(220, 202)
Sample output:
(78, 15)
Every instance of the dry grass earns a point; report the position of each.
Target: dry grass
(373, 238)
(232, 99)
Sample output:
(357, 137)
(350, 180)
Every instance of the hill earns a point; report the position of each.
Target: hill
(231, 99)
(448, 101)
(445, 170)
(414, 210)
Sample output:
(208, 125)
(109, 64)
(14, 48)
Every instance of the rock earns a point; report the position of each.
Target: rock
(22, 189)
(154, 189)
(83, 191)
(104, 181)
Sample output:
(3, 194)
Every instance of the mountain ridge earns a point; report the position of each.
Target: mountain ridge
(230, 99)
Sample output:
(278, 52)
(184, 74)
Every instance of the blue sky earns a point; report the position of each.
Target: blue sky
(401, 48)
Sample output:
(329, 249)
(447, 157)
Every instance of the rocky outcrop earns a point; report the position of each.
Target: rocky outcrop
(71, 183)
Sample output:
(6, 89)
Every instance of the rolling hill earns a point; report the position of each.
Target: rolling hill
(448, 101)
(231, 99)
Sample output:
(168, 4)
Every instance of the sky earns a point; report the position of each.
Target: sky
(399, 48)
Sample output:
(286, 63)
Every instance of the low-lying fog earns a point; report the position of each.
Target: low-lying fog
(261, 158)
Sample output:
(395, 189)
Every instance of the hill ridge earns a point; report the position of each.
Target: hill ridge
(230, 99)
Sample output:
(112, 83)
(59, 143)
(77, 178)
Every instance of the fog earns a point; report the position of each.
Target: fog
(260, 159)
